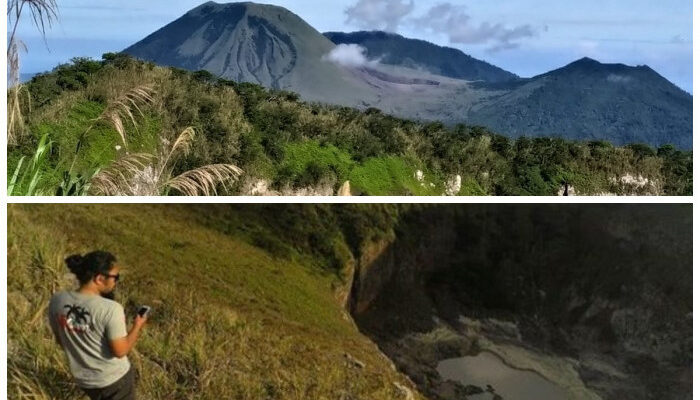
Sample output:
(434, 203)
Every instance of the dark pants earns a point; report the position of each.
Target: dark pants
(123, 389)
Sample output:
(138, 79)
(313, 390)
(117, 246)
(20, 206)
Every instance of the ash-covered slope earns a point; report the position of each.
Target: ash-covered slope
(394, 49)
(591, 100)
(250, 42)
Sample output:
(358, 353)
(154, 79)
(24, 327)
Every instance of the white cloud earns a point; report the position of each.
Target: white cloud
(379, 14)
(349, 55)
(452, 20)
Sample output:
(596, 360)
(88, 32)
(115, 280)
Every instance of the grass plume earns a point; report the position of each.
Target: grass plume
(113, 180)
(43, 13)
(122, 108)
(15, 119)
(151, 175)
(204, 180)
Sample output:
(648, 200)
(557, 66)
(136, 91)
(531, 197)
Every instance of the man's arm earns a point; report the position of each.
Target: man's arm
(122, 346)
(52, 323)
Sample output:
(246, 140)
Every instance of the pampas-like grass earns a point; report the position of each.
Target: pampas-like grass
(116, 179)
(151, 175)
(181, 146)
(204, 180)
(123, 107)
(15, 121)
(44, 13)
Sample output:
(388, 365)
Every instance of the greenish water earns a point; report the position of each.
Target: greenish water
(510, 383)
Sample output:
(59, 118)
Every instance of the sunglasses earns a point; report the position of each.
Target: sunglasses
(116, 277)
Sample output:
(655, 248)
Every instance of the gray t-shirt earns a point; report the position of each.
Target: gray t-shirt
(84, 325)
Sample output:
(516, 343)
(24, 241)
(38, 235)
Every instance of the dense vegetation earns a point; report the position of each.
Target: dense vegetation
(288, 144)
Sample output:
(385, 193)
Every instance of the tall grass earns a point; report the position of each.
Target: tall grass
(229, 320)
(123, 108)
(28, 178)
(28, 173)
(151, 175)
(131, 174)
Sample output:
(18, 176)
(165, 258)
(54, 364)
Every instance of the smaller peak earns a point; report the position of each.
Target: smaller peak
(212, 7)
(586, 60)
(383, 33)
(585, 64)
(209, 4)
(205, 7)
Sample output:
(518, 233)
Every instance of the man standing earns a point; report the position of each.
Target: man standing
(91, 328)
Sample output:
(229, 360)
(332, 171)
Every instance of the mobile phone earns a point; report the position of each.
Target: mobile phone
(144, 310)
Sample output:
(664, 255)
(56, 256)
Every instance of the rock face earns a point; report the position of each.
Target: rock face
(271, 46)
(262, 187)
(605, 286)
(453, 185)
(345, 190)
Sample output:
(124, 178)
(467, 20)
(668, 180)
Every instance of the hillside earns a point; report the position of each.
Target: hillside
(235, 316)
(591, 100)
(261, 301)
(288, 146)
(394, 49)
(273, 47)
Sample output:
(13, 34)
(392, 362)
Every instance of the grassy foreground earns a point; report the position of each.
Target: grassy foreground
(231, 320)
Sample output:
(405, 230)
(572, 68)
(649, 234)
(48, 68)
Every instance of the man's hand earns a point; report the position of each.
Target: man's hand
(140, 321)
(122, 347)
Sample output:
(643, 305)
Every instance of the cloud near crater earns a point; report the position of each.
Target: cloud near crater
(349, 55)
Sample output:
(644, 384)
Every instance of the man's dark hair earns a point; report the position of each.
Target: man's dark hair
(90, 265)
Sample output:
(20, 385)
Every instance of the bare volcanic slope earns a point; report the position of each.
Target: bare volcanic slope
(249, 42)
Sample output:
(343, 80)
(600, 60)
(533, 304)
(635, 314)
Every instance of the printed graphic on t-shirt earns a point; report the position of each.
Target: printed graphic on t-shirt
(77, 319)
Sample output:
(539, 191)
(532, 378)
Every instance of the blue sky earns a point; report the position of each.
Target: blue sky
(525, 37)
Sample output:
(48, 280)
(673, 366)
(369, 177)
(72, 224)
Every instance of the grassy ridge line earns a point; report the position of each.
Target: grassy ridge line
(230, 321)
(264, 131)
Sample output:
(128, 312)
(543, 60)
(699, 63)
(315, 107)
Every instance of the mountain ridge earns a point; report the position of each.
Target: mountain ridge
(442, 60)
(594, 100)
(272, 46)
